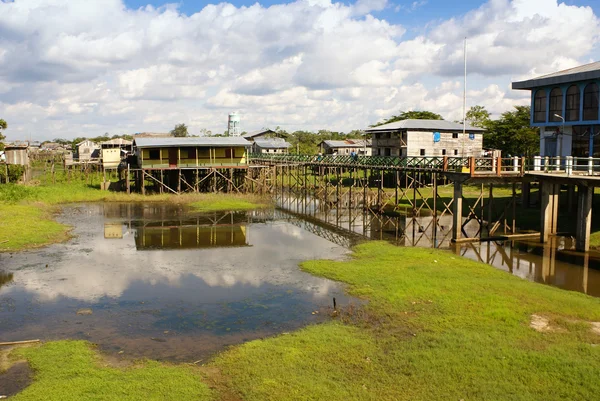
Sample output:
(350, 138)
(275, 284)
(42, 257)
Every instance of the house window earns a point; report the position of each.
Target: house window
(229, 153)
(455, 152)
(203, 153)
(590, 102)
(154, 154)
(188, 153)
(572, 112)
(422, 152)
(455, 135)
(443, 152)
(539, 106)
(556, 98)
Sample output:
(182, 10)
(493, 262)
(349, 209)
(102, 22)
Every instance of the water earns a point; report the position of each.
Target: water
(555, 263)
(161, 282)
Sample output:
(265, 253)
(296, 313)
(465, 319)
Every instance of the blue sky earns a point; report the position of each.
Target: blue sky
(411, 13)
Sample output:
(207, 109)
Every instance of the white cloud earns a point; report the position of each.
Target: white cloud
(84, 68)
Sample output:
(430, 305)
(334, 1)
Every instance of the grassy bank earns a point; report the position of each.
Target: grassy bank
(436, 327)
(72, 370)
(26, 211)
(28, 226)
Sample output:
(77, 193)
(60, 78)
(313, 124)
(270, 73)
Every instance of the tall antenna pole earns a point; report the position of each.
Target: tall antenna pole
(464, 102)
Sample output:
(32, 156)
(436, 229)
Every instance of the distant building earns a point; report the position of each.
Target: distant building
(53, 147)
(189, 152)
(17, 153)
(565, 106)
(34, 146)
(262, 133)
(87, 150)
(270, 145)
(346, 147)
(113, 151)
(426, 138)
(152, 135)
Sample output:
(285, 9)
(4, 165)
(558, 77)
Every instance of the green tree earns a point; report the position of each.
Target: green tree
(478, 116)
(3, 126)
(180, 131)
(411, 115)
(512, 134)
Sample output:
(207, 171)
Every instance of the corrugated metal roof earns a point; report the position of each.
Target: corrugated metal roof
(424, 125)
(272, 143)
(347, 143)
(257, 133)
(190, 141)
(117, 141)
(580, 73)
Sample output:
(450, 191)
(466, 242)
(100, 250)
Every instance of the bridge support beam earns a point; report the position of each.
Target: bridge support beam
(457, 211)
(549, 209)
(525, 194)
(585, 196)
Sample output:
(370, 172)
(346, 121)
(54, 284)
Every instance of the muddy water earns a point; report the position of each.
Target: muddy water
(159, 281)
(555, 263)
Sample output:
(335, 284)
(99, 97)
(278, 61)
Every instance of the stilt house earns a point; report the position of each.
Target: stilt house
(172, 153)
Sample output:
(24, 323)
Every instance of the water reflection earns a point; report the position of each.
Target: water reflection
(205, 277)
(190, 233)
(5, 278)
(555, 263)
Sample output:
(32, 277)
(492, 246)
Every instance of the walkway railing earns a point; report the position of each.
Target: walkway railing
(473, 165)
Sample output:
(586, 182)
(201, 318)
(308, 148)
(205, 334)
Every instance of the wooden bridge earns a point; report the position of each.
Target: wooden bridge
(386, 184)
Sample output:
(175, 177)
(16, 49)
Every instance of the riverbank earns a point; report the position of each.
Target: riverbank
(436, 327)
(26, 212)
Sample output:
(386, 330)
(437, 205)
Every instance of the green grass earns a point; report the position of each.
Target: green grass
(437, 327)
(211, 203)
(26, 211)
(72, 370)
(28, 226)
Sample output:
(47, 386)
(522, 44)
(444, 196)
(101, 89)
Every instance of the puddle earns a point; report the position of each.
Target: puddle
(160, 282)
(15, 379)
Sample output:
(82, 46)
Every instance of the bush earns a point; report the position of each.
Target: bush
(13, 193)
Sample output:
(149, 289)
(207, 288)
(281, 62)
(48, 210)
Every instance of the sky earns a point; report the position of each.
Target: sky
(84, 68)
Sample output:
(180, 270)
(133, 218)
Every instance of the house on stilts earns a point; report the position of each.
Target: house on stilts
(197, 164)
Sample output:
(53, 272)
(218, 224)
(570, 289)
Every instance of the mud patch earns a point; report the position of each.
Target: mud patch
(540, 323)
(595, 327)
(15, 379)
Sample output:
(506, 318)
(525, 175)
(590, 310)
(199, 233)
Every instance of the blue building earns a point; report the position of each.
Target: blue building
(564, 105)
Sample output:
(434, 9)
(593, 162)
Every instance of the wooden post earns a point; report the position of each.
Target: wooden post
(143, 178)
(178, 180)
(585, 196)
(162, 181)
(445, 165)
(457, 212)
(549, 210)
(499, 166)
(525, 194)
(472, 165)
(127, 181)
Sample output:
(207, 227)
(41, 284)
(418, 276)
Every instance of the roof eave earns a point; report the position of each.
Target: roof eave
(559, 80)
